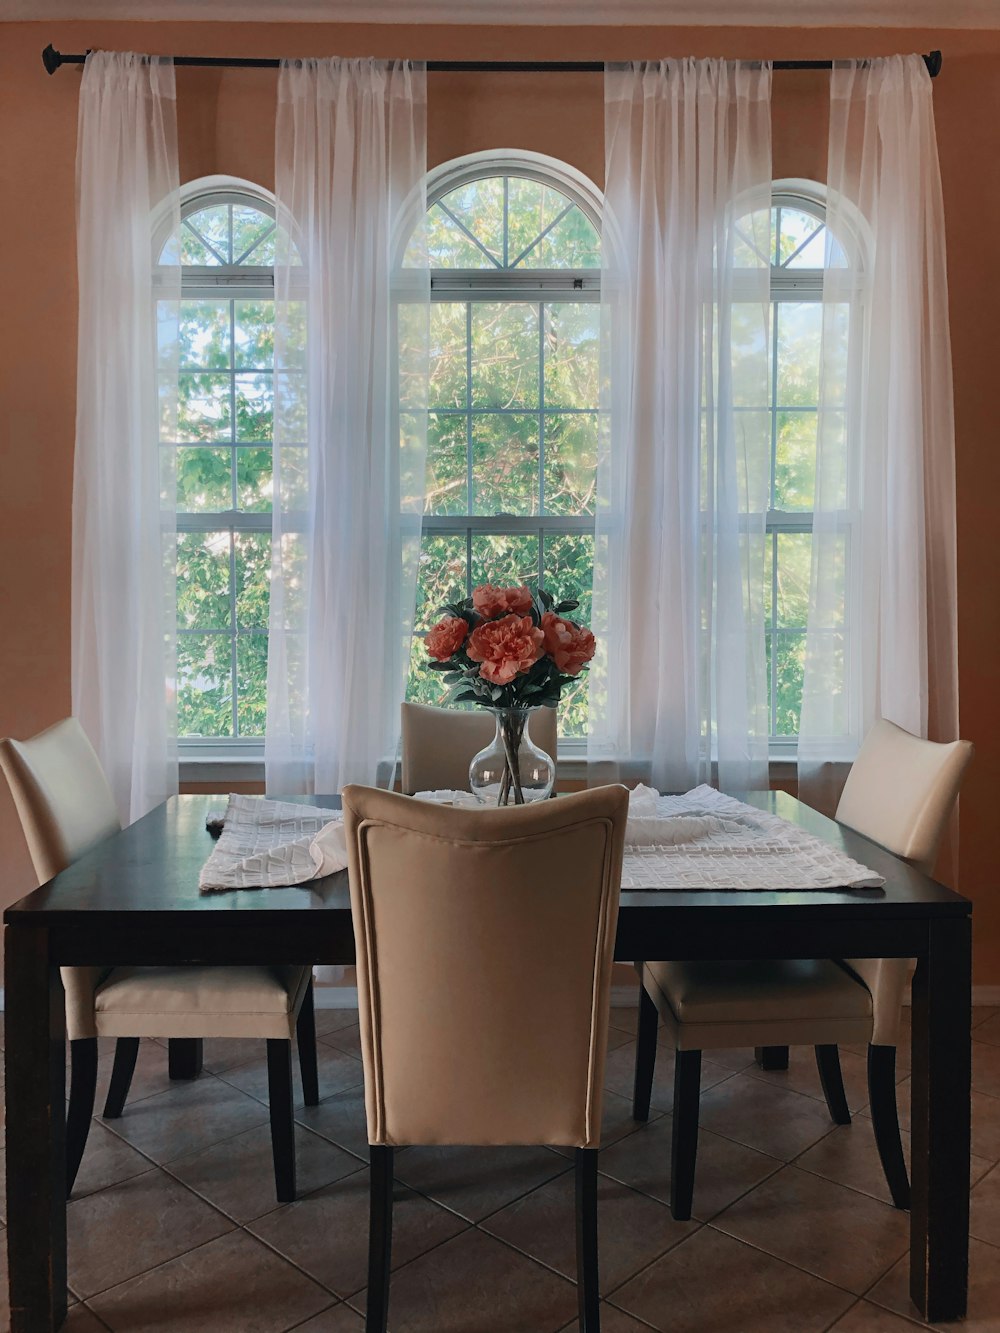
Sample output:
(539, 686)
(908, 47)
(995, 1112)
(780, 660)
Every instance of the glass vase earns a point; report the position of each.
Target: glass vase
(511, 770)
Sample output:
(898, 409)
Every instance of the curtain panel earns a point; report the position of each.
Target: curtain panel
(684, 462)
(882, 633)
(351, 160)
(123, 610)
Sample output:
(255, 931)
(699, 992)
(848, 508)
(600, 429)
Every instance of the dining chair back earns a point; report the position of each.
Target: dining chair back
(484, 943)
(439, 744)
(61, 795)
(901, 791)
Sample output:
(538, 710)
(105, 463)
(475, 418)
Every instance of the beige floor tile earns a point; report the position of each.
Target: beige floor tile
(328, 1020)
(475, 1182)
(132, 1227)
(237, 1176)
(616, 1121)
(803, 1076)
(713, 1282)
(476, 1284)
(867, 1318)
(82, 1320)
(107, 1160)
(347, 1038)
(824, 1228)
(725, 1170)
(985, 1120)
(893, 1292)
(337, 1070)
(222, 1053)
(150, 1077)
(189, 1117)
(613, 1320)
(341, 1119)
(985, 1208)
(983, 1014)
(759, 1115)
(633, 1229)
(625, 1018)
(849, 1156)
(231, 1285)
(620, 1075)
(326, 1233)
(733, 1058)
(986, 1067)
(338, 1319)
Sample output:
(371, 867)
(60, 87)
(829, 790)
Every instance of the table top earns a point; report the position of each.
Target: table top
(151, 868)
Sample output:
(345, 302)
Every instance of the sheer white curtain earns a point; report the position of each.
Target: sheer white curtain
(882, 636)
(684, 464)
(350, 167)
(123, 539)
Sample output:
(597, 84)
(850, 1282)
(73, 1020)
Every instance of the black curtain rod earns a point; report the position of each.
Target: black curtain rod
(53, 59)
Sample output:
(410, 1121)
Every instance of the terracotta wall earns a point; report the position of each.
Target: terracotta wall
(226, 120)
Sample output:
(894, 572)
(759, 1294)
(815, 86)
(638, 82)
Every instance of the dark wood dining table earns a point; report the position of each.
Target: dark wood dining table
(134, 899)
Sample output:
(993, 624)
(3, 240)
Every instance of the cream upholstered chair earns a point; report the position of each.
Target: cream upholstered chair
(518, 909)
(900, 793)
(439, 744)
(66, 807)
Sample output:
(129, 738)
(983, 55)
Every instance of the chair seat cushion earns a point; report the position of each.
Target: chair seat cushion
(770, 1003)
(200, 1001)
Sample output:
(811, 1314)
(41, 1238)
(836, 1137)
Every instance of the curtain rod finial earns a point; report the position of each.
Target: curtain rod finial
(51, 58)
(934, 61)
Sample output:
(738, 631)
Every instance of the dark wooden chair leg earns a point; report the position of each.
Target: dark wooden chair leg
(82, 1089)
(684, 1140)
(588, 1286)
(379, 1238)
(645, 1055)
(771, 1057)
(830, 1076)
(305, 1040)
(282, 1108)
(126, 1052)
(885, 1121)
(184, 1057)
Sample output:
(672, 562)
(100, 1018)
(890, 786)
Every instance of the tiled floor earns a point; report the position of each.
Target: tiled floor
(174, 1226)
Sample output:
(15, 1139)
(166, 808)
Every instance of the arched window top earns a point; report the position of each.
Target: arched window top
(228, 226)
(504, 212)
(800, 238)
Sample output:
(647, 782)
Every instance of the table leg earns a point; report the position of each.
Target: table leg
(35, 1065)
(941, 1122)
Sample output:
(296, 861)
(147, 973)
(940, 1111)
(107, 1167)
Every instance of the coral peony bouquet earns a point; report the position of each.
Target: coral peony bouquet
(509, 647)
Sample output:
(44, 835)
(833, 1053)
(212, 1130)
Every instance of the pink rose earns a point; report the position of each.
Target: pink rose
(506, 648)
(570, 646)
(445, 639)
(490, 602)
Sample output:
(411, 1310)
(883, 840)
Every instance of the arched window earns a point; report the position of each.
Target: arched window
(801, 251)
(221, 442)
(514, 246)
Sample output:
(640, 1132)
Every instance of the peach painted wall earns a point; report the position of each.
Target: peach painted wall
(226, 123)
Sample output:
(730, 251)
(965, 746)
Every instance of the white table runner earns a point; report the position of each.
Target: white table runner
(701, 840)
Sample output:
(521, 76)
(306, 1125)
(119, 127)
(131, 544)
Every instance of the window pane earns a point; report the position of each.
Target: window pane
(203, 406)
(253, 578)
(204, 335)
(504, 560)
(505, 464)
(448, 346)
(204, 685)
(292, 481)
(254, 480)
(292, 405)
(573, 242)
(479, 206)
(446, 488)
(250, 226)
(800, 325)
(212, 226)
(194, 251)
(424, 686)
(440, 577)
(254, 331)
(505, 354)
(789, 654)
(251, 683)
(448, 246)
(574, 707)
(570, 463)
(254, 407)
(799, 229)
(569, 571)
(203, 580)
(794, 564)
(572, 344)
(795, 460)
(204, 480)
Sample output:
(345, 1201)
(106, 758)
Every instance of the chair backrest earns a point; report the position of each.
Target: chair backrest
(484, 953)
(901, 791)
(61, 794)
(439, 744)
